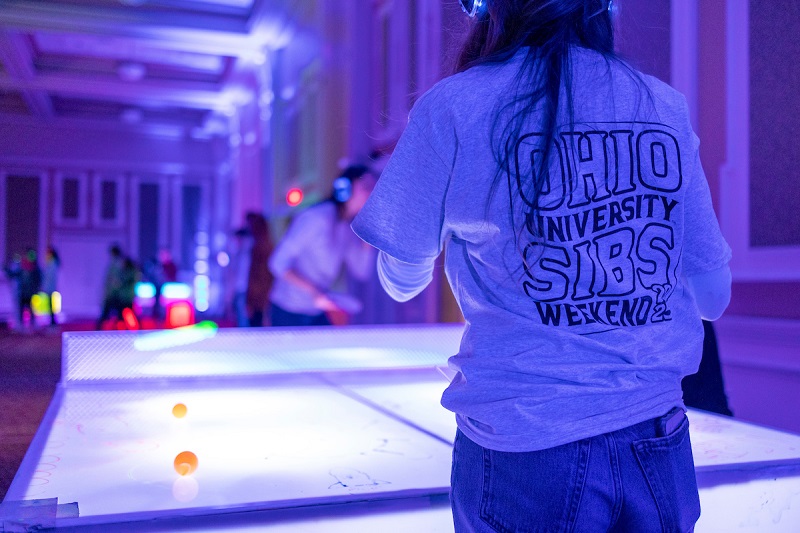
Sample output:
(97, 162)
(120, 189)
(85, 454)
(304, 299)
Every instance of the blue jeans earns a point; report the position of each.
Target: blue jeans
(240, 309)
(631, 480)
(282, 317)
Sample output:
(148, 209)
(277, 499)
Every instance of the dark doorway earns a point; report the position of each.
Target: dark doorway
(22, 214)
(148, 221)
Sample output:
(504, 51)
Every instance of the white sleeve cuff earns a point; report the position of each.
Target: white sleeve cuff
(402, 281)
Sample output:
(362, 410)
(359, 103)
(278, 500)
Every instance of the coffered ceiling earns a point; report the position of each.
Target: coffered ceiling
(141, 64)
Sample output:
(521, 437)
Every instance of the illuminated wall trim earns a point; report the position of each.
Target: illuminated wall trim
(684, 51)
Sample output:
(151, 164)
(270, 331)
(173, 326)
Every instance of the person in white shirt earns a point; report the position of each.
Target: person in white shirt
(318, 246)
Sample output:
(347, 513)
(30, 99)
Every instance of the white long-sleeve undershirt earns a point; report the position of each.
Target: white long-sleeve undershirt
(402, 281)
(712, 291)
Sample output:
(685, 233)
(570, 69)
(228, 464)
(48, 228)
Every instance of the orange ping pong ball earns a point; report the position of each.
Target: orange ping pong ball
(185, 463)
(179, 411)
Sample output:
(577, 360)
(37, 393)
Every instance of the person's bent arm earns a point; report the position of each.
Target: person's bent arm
(402, 281)
(321, 300)
(712, 291)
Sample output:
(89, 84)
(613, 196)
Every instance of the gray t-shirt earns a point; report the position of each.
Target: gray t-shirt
(589, 328)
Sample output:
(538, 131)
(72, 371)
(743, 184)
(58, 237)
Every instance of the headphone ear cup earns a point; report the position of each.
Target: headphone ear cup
(342, 189)
(471, 7)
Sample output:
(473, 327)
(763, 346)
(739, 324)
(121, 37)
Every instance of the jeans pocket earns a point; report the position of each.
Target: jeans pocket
(534, 491)
(668, 467)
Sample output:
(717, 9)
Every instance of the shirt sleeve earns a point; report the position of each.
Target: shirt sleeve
(404, 215)
(704, 248)
(296, 239)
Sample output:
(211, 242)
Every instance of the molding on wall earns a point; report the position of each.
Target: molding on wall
(122, 199)
(58, 219)
(77, 164)
(774, 263)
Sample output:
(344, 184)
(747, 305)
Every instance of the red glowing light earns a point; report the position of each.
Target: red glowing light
(128, 316)
(294, 197)
(179, 314)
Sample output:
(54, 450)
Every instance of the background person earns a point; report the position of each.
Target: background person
(113, 299)
(705, 389)
(158, 271)
(315, 250)
(52, 264)
(259, 278)
(29, 283)
(129, 277)
(582, 247)
(12, 269)
(240, 263)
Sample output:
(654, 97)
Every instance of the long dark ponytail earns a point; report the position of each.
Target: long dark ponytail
(549, 29)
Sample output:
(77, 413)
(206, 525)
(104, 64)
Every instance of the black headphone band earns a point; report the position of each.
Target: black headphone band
(471, 7)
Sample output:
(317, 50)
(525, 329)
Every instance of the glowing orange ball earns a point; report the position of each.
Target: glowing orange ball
(179, 411)
(185, 463)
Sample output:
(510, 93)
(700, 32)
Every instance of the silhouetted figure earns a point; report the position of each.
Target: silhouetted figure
(169, 270)
(52, 264)
(30, 281)
(12, 269)
(240, 262)
(113, 299)
(259, 278)
(706, 389)
(158, 271)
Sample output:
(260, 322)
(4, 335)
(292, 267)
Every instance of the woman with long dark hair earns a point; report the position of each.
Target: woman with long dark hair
(316, 250)
(582, 248)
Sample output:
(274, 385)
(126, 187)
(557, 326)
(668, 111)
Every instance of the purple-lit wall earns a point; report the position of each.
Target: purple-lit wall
(644, 38)
(774, 193)
(759, 336)
(774, 124)
(711, 91)
(759, 342)
(643, 35)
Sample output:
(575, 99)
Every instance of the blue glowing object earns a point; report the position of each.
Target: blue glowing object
(176, 291)
(145, 290)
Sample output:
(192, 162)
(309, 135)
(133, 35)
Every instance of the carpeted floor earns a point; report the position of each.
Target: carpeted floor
(30, 367)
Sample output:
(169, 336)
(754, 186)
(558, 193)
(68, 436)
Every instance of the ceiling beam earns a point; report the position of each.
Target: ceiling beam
(164, 129)
(190, 95)
(16, 57)
(208, 34)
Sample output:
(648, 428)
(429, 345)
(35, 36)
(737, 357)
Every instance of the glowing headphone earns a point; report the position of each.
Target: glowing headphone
(471, 7)
(342, 189)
